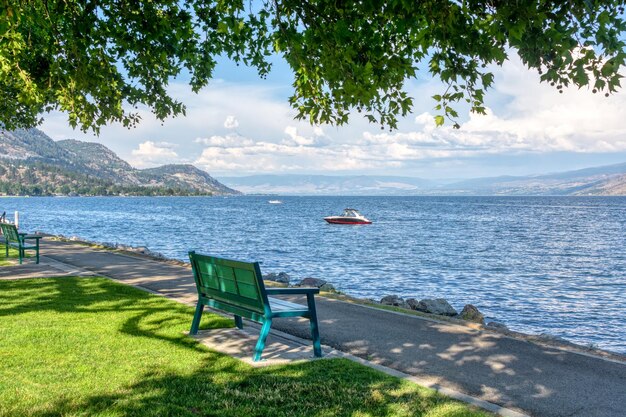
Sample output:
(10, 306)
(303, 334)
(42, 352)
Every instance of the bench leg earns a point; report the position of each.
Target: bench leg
(37, 249)
(260, 344)
(238, 322)
(196, 318)
(315, 331)
(20, 254)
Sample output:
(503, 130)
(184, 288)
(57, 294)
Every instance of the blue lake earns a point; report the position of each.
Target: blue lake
(553, 265)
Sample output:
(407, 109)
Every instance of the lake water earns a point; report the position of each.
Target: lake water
(553, 265)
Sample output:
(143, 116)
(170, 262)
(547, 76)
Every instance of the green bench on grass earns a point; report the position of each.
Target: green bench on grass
(238, 288)
(19, 241)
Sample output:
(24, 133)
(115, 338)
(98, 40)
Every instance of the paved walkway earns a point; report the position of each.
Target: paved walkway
(537, 380)
(47, 267)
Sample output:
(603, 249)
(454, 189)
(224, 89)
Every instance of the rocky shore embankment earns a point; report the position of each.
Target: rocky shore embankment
(432, 306)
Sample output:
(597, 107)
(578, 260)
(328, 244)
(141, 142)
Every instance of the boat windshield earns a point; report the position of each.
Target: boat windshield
(350, 213)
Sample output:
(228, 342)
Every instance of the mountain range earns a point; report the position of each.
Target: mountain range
(31, 163)
(604, 180)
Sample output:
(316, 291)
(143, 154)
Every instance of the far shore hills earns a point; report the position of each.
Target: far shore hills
(32, 164)
(608, 180)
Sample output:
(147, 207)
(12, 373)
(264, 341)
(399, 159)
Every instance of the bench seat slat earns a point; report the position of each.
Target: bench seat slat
(277, 304)
(292, 313)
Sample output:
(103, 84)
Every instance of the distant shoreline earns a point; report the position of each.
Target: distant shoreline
(328, 195)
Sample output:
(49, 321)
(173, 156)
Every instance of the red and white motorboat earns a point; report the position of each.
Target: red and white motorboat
(349, 216)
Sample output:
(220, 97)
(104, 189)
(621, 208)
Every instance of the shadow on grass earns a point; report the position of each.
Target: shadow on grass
(226, 388)
(205, 384)
(148, 313)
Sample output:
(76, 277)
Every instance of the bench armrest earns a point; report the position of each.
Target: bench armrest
(291, 291)
(29, 237)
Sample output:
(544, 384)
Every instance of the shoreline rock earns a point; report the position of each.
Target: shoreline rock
(439, 306)
(497, 326)
(412, 303)
(142, 250)
(393, 300)
(471, 313)
(312, 282)
(281, 277)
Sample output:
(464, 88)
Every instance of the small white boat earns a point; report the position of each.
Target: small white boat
(275, 202)
(349, 216)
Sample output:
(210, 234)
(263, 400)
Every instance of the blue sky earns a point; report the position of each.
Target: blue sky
(241, 125)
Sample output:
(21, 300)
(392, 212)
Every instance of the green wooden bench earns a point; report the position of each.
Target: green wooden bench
(237, 287)
(15, 239)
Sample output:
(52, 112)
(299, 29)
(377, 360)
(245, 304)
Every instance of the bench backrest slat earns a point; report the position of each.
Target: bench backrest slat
(9, 231)
(231, 282)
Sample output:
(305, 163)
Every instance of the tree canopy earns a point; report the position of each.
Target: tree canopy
(96, 59)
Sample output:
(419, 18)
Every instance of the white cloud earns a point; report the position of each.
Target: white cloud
(231, 122)
(150, 154)
(225, 141)
(524, 117)
(292, 132)
(294, 154)
(530, 117)
(259, 109)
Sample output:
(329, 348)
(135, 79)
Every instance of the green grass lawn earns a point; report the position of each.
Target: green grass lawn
(92, 347)
(12, 259)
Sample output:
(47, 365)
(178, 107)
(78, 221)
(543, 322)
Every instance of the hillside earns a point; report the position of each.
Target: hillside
(93, 155)
(612, 186)
(181, 176)
(33, 164)
(604, 180)
(22, 144)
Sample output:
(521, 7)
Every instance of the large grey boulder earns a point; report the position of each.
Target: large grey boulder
(393, 300)
(471, 313)
(270, 277)
(142, 250)
(312, 282)
(436, 306)
(282, 277)
(412, 303)
(328, 287)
